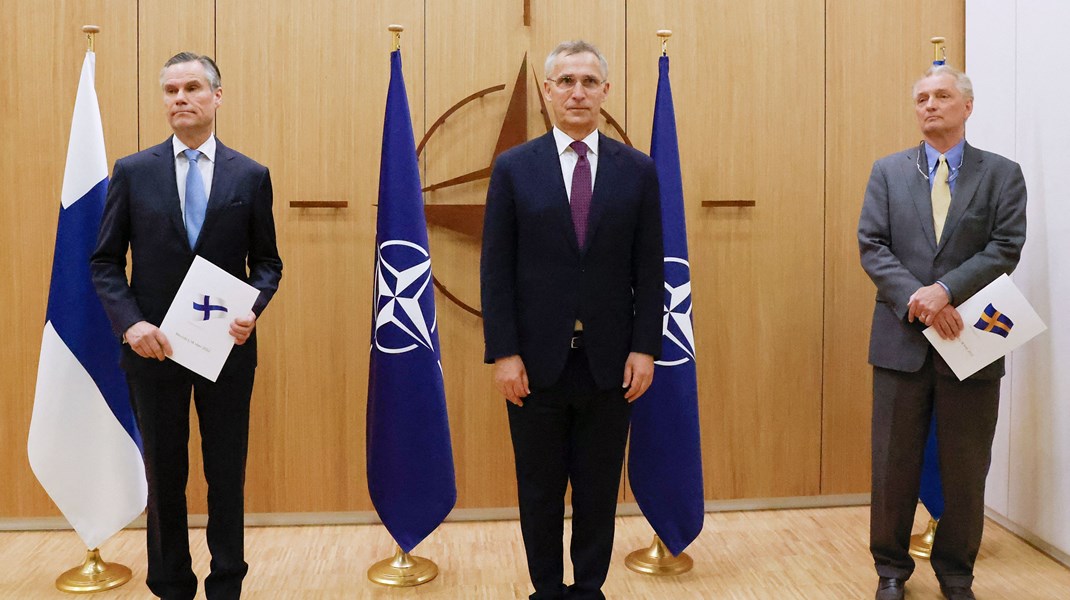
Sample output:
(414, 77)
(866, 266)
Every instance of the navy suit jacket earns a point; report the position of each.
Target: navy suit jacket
(982, 239)
(536, 281)
(142, 213)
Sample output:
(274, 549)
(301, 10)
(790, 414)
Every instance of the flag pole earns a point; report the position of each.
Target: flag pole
(93, 575)
(403, 569)
(657, 559)
(939, 51)
(921, 544)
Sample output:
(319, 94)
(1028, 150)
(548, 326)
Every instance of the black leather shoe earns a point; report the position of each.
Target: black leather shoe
(889, 588)
(957, 592)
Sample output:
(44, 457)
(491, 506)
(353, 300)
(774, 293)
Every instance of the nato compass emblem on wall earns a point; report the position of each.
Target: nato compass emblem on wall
(404, 300)
(446, 206)
(676, 322)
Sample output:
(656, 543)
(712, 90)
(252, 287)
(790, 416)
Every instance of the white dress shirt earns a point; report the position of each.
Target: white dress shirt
(569, 158)
(207, 168)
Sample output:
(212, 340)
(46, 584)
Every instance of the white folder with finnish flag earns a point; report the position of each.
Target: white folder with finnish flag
(997, 320)
(198, 322)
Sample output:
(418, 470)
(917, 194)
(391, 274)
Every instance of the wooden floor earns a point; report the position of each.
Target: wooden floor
(786, 554)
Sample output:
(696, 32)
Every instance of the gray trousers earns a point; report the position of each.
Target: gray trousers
(966, 411)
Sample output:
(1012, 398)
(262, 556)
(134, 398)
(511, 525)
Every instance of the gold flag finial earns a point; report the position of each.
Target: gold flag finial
(664, 34)
(90, 31)
(396, 30)
(939, 52)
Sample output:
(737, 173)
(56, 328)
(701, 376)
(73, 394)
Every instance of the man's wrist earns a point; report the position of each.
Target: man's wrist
(947, 291)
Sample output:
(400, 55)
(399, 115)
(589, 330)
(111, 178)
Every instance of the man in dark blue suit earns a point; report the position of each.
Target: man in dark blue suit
(572, 286)
(188, 196)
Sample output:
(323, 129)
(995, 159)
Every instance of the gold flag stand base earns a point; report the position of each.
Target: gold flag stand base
(403, 570)
(657, 560)
(94, 575)
(921, 544)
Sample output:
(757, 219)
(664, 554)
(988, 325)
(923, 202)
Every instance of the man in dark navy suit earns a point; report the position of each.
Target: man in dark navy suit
(572, 286)
(188, 196)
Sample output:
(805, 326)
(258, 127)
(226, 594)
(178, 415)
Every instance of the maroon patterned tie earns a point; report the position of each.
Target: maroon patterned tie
(580, 201)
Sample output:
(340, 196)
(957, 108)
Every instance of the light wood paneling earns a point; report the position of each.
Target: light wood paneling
(472, 46)
(869, 115)
(41, 55)
(816, 554)
(307, 88)
(164, 30)
(747, 84)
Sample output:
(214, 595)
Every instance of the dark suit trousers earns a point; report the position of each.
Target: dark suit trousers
(966, 412)
(569, 431)
(161, 404)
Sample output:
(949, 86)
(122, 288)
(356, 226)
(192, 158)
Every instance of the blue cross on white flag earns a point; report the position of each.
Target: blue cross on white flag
(83, 445)
(206, 307)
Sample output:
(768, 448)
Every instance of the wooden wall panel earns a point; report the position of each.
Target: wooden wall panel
(876, 50)
(164, 30)
(305, 95)
(747, 83)
(41, 57)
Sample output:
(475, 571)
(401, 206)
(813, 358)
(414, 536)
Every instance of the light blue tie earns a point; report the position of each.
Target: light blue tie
(196, 200)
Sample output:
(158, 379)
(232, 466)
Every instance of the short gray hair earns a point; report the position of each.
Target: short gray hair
(211, 71)
(576, 47)
(962, 81)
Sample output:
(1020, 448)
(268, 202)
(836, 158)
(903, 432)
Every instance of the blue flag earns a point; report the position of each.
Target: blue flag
(664, 457)
(932, 488)
(931, 492)
(410, 459)
(83, 445)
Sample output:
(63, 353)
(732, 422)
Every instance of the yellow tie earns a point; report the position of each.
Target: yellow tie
(941, 196)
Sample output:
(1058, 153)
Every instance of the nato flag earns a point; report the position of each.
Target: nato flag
(664, 458)
(410, 459)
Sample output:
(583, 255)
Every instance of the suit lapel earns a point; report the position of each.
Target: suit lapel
(965, 189)
(918, 187)
(603, 184)
(222, 186)
(167, 181)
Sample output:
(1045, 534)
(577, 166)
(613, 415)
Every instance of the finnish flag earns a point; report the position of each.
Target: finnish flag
(83, 444)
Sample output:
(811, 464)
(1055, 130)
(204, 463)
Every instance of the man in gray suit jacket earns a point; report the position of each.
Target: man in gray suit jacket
(939, 222)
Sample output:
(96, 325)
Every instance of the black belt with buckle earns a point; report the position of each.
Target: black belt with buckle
(577, 340)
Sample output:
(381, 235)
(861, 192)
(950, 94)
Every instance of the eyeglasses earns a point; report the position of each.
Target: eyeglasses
(567, 82)
(953, 172)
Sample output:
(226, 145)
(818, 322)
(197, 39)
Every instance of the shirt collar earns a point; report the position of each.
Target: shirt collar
(953, 156)
(207, 148)
(563, 140)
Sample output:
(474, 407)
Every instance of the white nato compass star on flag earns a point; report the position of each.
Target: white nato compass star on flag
(402, 278)
(676, 322)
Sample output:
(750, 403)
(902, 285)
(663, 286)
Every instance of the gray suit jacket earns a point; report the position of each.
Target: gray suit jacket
(982, 239)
